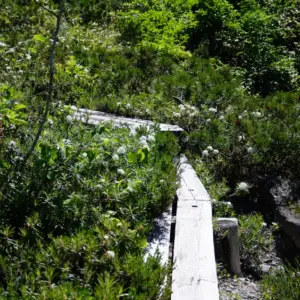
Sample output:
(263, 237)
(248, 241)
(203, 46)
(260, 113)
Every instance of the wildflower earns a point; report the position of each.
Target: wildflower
(66, 142)
(221, 118)
(216, 151)
(210, 148)
(28, 56)
(213, 110)
(128, 106)
(12, 144)
(256, 114)
(115, 157)
(243, 187)
(73, 107)
(241, 137)
(84, 154)
(18, 158)
(143, 138)
(205, 153)
(151, 138)
(132, 132)
(263, 224)
(50, 122)
(162, 181)
(121, 150)
(147, 111)
(106, 237)
(181, 106)
(119, 103)
(121, 171)
(250, 150)
(208, 120)
(110, 254)
(69, 119)
(176, 114)
(240, 117)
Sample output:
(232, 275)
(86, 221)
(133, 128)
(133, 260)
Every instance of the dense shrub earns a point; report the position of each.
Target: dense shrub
(74, 219)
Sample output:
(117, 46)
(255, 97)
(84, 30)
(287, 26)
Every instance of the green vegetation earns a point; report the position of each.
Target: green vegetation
(75, 213)
(282, 284)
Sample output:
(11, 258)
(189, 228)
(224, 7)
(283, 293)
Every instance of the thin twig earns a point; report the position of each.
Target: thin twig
(47, 9)
(50, 86)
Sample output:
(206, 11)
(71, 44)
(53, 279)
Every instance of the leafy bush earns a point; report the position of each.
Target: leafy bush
(74, 219)
(255, 240)
(282, 284)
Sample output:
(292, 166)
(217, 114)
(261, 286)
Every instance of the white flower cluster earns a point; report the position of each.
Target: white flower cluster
(209, 150)
(121, 150)
(243, 187)
(186, 110)
(145, 140)
(257, 114)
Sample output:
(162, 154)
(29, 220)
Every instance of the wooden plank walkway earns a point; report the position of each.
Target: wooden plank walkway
(94, 117)
(194, 275)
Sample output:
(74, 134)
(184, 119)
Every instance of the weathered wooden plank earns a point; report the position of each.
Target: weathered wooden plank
(93, 117)
(194, 275)
(191, 188)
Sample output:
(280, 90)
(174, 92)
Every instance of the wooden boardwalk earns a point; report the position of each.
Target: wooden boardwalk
(94, 117)
(194, 274)
(194, 267)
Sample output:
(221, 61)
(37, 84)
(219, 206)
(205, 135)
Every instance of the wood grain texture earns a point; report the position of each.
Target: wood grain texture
(194, 271)
(95, 117)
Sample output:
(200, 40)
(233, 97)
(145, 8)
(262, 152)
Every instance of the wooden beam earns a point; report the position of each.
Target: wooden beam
(95, 117)
(194, 275)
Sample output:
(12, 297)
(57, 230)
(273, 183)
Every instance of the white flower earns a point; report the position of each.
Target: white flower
(162, 181)
(243, 186)
(241, 137)
(144, 144)
(115, 157)
(216, 151)
(151, 138)
(28, 56)
(128, 106)
(84, 154)
(132, 132)
(12, 144)
(66, 142)
(121, 150)
(106, 237)
(208, 120)
(50, 122)
(213, 110)
(176, 114)
(256, 114)
(250, 150)
(18, 158)
(210, 148)
(205, 153)
(181, 106)
(240, 117)
(121, 171)
(129, 189)
(73, 107)
(2, 44)
(110, 254)
(69, 119)
(119, 103)
(221, 118)
(263, 224)
(147, 111)
(143, 138)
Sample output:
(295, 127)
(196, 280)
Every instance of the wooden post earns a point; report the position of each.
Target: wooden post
(231, 225)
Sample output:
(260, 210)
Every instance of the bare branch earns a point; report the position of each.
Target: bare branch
(47, 9)
(50, 85)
